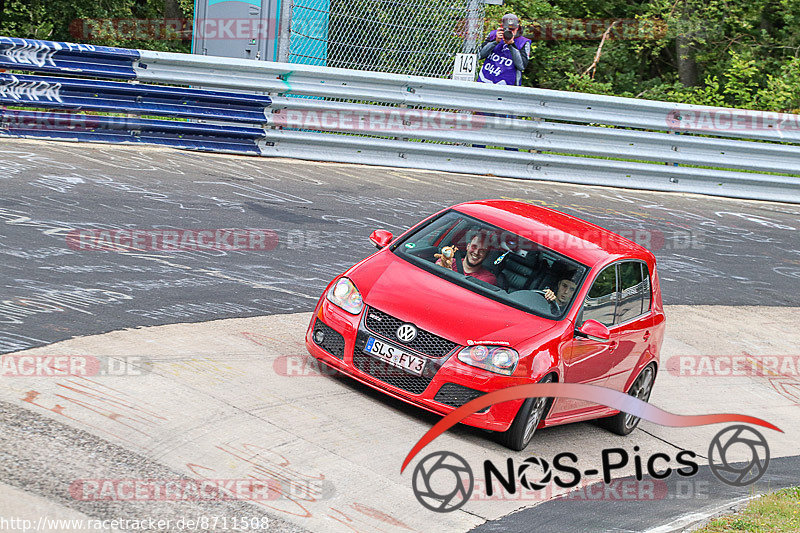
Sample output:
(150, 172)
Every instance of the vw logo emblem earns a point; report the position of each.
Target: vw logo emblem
(406, 333)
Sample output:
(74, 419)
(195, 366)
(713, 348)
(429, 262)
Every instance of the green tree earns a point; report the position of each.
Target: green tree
(67, 20)
(740, 53)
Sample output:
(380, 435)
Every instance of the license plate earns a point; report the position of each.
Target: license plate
(394, 356)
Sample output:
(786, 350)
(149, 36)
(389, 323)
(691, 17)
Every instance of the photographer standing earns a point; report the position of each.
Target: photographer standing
(506, 52)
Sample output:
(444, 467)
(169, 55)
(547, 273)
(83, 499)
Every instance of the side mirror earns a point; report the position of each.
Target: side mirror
(381, 238)
(593, 330)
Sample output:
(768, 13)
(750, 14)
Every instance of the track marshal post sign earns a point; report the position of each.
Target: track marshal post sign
(465, 67)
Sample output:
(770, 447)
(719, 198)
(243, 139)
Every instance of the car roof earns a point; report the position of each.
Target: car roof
(583, 241)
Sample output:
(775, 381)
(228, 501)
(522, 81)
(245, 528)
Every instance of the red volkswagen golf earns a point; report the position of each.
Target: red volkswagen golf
(486, 295)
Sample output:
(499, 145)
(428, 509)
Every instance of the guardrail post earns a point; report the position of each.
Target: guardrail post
(285, 30)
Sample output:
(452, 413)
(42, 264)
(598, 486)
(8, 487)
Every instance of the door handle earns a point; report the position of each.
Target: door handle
(646, 335)
(612, 346)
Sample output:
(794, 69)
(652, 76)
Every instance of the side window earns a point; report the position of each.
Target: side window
(601, 300)
(645, 288)
(631, 290)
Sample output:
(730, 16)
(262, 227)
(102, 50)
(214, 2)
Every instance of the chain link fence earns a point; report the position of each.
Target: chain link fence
(417, 37)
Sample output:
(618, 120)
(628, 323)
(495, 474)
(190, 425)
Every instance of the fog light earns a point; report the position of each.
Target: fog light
(319, 336)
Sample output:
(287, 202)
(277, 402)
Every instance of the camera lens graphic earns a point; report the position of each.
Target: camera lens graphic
(732, 441)
(532, 469)
(443, 482)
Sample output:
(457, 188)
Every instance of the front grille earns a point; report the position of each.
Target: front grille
(389, 374)
(333, 342)
(456, 395)
(425, 342)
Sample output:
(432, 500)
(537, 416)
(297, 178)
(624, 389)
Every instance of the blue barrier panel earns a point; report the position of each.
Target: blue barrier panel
(73, 93)
(77, 59)
(191, 135)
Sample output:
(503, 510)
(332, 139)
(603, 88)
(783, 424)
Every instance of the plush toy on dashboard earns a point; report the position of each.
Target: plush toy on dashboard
(445, 258)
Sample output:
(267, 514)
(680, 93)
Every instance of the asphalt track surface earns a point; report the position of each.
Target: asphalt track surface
(710, 251)
(605, 504)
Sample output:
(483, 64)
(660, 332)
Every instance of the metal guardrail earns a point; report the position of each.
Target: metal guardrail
(77, 59)
(396, 120)
(80, 127)
(92, 95)
(233, 114)
(166, 67)
(556, 137)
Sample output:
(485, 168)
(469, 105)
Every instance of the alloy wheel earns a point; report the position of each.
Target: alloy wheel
(640, 390)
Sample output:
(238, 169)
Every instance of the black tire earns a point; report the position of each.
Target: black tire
(530, 414)
(623, 423)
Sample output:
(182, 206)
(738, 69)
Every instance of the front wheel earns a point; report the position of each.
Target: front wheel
(624, 423)
(531, 413)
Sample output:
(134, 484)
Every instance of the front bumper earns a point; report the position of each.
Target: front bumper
(446, 382)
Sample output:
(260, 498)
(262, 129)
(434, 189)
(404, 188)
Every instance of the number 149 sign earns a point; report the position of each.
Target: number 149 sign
(465, 67)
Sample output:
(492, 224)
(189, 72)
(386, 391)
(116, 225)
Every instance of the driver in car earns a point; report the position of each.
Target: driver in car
(472, 263)
(559, 299)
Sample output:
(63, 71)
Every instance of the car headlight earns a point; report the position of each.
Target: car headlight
(497, 359)
(345, 295)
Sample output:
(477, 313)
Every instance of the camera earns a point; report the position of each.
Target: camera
(508, 35)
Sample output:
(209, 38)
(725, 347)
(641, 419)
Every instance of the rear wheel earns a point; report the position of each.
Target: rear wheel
(531, 413)
(624, 423)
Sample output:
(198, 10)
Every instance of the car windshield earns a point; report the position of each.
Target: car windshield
(495, 262)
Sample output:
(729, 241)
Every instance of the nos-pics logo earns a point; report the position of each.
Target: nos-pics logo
(443, 481)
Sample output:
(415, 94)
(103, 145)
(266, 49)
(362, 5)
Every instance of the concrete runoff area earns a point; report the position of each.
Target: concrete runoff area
(240, 399)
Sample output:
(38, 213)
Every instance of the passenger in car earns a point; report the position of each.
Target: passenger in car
(472, 262)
